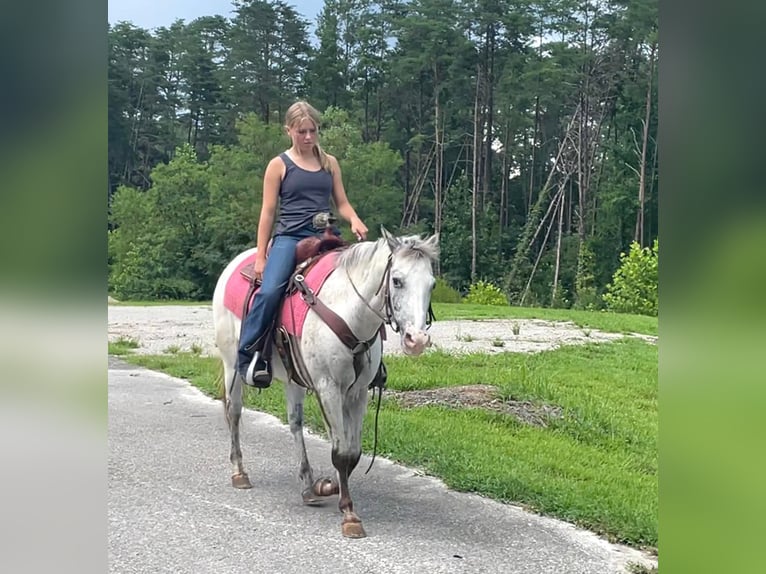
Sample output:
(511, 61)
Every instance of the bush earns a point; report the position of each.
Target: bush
(634, 286)
(444, 292)
(485, 293)
(586, 294)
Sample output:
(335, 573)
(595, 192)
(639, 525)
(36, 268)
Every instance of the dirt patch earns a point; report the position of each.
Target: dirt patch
(477, 396)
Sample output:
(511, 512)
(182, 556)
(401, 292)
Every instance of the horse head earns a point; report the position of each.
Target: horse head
(410, 281)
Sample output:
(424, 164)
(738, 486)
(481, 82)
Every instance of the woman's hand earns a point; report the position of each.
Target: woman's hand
(258, 267)
(359, 229)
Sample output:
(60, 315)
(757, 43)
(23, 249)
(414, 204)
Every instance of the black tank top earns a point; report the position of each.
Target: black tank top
(302, 194)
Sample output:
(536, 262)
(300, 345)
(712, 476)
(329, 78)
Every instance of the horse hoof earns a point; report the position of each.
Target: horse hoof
(241, 480)
(353, 530)
(310, 499)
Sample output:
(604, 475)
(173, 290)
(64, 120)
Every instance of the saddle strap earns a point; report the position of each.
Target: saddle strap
(339, 326)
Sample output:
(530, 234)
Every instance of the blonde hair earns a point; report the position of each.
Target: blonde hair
(300, 111)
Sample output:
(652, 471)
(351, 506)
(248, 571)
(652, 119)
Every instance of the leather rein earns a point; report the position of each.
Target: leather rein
(337, 324)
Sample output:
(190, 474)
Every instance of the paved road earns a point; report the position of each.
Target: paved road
(172, 509)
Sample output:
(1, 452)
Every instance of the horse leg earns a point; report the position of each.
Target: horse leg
(313, 491)
(233, 412)
(344, 416)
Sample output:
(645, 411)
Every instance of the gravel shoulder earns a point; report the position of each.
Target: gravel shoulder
(178, 328)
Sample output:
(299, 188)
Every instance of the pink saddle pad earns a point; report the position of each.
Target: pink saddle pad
(293, 310)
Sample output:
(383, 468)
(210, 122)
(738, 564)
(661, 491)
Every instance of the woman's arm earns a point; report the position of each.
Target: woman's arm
(345, 209)
(271, 181)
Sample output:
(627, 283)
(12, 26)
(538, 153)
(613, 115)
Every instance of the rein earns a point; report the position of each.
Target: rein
(388, 317)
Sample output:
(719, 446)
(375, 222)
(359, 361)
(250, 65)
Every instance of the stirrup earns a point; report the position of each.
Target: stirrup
(258, 377)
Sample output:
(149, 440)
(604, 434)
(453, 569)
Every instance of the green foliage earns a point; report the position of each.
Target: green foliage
(154, 244)
(397, 84)
(634, 286)
(444, 292)
(587, 296)
(485, 293)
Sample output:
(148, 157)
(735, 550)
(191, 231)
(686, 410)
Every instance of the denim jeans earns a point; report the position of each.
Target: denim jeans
(280, 265)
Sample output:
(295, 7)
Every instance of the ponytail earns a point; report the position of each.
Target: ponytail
(324, 160)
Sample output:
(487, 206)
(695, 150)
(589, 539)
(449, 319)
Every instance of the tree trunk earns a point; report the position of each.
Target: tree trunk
(475, 173)
(554, 205)
(558, 251)
(639, 233)
(505, 171)
(490, 63)
(439, 157)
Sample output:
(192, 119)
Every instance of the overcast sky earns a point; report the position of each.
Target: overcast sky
(152, 14)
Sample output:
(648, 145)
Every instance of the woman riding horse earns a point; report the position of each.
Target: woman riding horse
(301, 181)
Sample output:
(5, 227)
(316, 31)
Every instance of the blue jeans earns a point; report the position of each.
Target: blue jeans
(279, 267)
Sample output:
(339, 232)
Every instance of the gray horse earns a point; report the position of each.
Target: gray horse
(374, 282)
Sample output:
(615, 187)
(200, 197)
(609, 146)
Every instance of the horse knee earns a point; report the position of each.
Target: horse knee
(345, 461)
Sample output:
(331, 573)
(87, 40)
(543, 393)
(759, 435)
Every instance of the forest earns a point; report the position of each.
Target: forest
(523, 132)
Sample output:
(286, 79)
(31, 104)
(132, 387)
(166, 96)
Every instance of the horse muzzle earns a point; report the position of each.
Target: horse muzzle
(415, 341)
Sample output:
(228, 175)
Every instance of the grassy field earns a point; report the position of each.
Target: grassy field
(595, 464)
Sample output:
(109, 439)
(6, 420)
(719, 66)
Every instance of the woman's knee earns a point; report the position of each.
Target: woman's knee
(271, 292)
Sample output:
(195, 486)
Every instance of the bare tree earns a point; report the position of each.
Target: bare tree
(639, 232)
(475, 172)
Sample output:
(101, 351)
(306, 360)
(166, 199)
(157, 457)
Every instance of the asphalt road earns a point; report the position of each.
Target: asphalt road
(172, 508)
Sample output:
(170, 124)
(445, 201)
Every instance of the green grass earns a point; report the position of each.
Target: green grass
(596, 466)
(122, 346)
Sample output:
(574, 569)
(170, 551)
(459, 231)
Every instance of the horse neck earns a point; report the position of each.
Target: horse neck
(364, 283)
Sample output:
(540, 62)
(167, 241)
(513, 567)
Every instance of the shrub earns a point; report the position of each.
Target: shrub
(444, 292)
(634, 286)
(485, 293)
(586, 294)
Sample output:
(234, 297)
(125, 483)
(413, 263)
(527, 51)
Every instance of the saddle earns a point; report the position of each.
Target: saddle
(307, 252)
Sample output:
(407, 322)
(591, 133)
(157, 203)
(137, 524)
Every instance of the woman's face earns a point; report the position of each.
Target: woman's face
(303, 135)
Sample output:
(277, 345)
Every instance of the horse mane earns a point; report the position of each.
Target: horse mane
(360, 254)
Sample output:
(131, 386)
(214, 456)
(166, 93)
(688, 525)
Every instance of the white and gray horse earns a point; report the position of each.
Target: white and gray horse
(389, 280)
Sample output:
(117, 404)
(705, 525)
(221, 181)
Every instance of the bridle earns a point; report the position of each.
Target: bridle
(385, 285)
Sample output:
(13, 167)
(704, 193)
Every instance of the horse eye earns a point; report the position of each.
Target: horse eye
(397, 283)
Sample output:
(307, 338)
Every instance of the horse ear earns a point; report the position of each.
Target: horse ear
(392, 241)
(431, 246)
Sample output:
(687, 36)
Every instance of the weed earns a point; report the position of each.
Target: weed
(123, 346)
